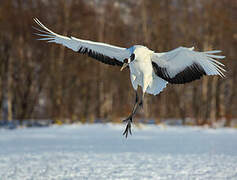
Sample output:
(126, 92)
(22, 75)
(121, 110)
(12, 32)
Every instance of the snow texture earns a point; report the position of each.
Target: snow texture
(100, 152)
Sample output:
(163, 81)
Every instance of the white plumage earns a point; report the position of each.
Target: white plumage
(149, 70)
(178, 59)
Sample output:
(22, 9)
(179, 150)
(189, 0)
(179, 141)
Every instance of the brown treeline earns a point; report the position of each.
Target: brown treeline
(39, 80)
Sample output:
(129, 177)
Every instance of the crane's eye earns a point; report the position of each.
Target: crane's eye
(132, 57)
(125, 61)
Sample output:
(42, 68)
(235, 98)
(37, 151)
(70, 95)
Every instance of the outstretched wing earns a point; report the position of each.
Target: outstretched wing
(105, 53)
(184, 65)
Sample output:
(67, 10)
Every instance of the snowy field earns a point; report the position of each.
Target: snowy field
(101, 152)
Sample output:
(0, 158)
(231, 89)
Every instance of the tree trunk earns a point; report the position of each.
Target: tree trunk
(9, 91)
(204, 104)
(213, 100)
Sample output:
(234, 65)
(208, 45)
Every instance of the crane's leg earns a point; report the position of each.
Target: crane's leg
(130, 117)
(141, 101)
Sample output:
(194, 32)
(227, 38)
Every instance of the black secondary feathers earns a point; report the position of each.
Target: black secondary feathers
(190, 73)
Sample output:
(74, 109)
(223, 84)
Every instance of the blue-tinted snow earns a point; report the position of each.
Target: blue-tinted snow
(101, 152)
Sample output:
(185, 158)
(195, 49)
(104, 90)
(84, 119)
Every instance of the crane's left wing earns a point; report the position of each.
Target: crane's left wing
(108, 54)
(183, 65)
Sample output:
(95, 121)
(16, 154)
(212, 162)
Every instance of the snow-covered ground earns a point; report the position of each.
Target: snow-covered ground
(100, 152)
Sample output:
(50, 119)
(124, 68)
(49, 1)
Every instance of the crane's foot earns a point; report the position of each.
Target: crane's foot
(128, 127)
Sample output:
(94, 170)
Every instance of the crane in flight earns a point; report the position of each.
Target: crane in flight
(149, 70)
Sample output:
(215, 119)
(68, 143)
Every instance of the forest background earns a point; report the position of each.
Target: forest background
(45, 81)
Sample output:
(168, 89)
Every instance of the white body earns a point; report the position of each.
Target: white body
(142, 74)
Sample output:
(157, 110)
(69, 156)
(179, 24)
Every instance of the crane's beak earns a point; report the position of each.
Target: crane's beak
(124, 66)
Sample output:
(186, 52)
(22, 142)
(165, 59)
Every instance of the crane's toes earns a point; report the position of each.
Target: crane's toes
(127, 130)
(128, 127)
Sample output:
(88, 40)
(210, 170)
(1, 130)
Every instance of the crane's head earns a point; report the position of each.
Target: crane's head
(126, 61)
